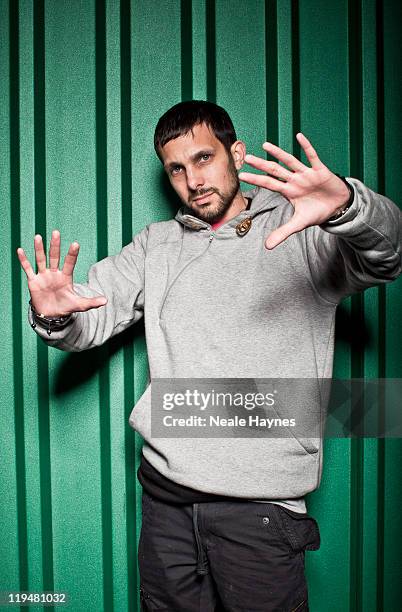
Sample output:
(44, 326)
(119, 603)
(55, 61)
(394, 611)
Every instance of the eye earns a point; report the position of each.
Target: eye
(175, 170)
(205, 157)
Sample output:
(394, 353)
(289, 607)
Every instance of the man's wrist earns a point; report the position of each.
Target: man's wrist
(48, 323)
(349, 202)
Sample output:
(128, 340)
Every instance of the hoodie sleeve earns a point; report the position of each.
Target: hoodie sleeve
(121, 279)
(359, 250)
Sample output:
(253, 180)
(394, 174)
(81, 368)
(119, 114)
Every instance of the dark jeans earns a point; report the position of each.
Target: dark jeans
(224, 557)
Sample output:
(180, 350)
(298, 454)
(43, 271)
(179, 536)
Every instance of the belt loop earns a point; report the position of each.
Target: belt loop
(202, 562)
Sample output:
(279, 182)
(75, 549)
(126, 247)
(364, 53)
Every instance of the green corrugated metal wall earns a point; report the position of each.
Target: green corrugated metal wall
(83, 84)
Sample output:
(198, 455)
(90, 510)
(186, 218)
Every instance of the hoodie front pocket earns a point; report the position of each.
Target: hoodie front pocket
(310, 445)
(140, 417)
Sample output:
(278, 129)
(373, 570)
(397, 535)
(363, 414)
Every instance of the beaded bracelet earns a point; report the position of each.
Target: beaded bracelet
(349, 203)
(50, 323)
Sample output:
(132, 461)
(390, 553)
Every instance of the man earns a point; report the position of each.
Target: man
(224, 520)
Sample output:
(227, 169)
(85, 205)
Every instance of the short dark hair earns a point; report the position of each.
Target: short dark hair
(182, 117)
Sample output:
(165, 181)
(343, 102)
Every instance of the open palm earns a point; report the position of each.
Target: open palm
(315, 192)
(51, 289)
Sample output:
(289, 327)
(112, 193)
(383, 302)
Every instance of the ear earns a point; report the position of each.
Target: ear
(238, 150)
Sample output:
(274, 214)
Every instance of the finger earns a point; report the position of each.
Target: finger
(39, 253)
(309, 150)
(26, 266)
(289, 160)
(284, 231)
(85, 304)
(270, 167)
(54, 251)
(262, 181)
(71, 259)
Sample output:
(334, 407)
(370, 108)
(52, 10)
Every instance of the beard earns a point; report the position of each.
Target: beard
(213, 211)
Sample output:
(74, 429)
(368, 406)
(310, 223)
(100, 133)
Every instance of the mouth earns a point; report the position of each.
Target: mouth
(202, 199)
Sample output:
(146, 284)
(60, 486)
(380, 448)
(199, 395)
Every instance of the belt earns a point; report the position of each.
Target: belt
(202, 561)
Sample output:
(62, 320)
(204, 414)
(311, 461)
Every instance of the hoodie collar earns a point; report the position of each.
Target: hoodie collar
(262, 200)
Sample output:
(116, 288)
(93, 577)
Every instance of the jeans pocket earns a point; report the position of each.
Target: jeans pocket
(301, 530)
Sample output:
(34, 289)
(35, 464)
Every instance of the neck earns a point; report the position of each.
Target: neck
(239, 203)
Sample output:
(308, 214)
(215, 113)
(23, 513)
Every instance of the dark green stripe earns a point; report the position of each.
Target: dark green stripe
(186, 50)
(211, 50)
(355, 89)
(42, 350)
(15, 201)
(106, 476)
(127, 211)
(271, 71)
(125, 119)
(381, 301)
(356, 524)
(44, 463)
(356, 161)
(103, 353)
(39, 120)
(101, 153)
(380, 97)
(380, 527)
(295, 75)
(130, 480)
(355, 86)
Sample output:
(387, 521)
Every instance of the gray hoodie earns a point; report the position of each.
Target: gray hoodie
(218, 304)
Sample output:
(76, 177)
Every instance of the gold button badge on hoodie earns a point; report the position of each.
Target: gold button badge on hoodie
(243, 227)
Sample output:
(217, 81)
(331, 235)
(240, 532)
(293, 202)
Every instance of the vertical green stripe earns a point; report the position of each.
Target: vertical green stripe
(100, 90)
(39, 119)
(285, 84)
(355, 88)
(356, 524)
(356, 163)
(131, 500)
(186, 50)
(380, 96)
(381, 173)
(372, 537)
(127, 211)
(271, 71)
(125, 120)
(358, 339)
(295, 75)
(106, 477)
(16, 292)
(40, 227)
(199, 50)
(103, 353)
(381, 301)
(133, 587)
(380, 522)
(211, 50)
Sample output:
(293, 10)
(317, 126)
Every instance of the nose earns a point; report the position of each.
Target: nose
(194, 179)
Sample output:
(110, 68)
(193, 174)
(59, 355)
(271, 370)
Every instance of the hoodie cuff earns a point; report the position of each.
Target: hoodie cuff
(349, 215)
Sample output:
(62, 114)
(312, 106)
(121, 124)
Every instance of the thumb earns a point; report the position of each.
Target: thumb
(93, 302)
(283, 232)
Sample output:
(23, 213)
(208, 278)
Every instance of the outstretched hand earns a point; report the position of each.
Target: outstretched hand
(315, 193)
(51, 289)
